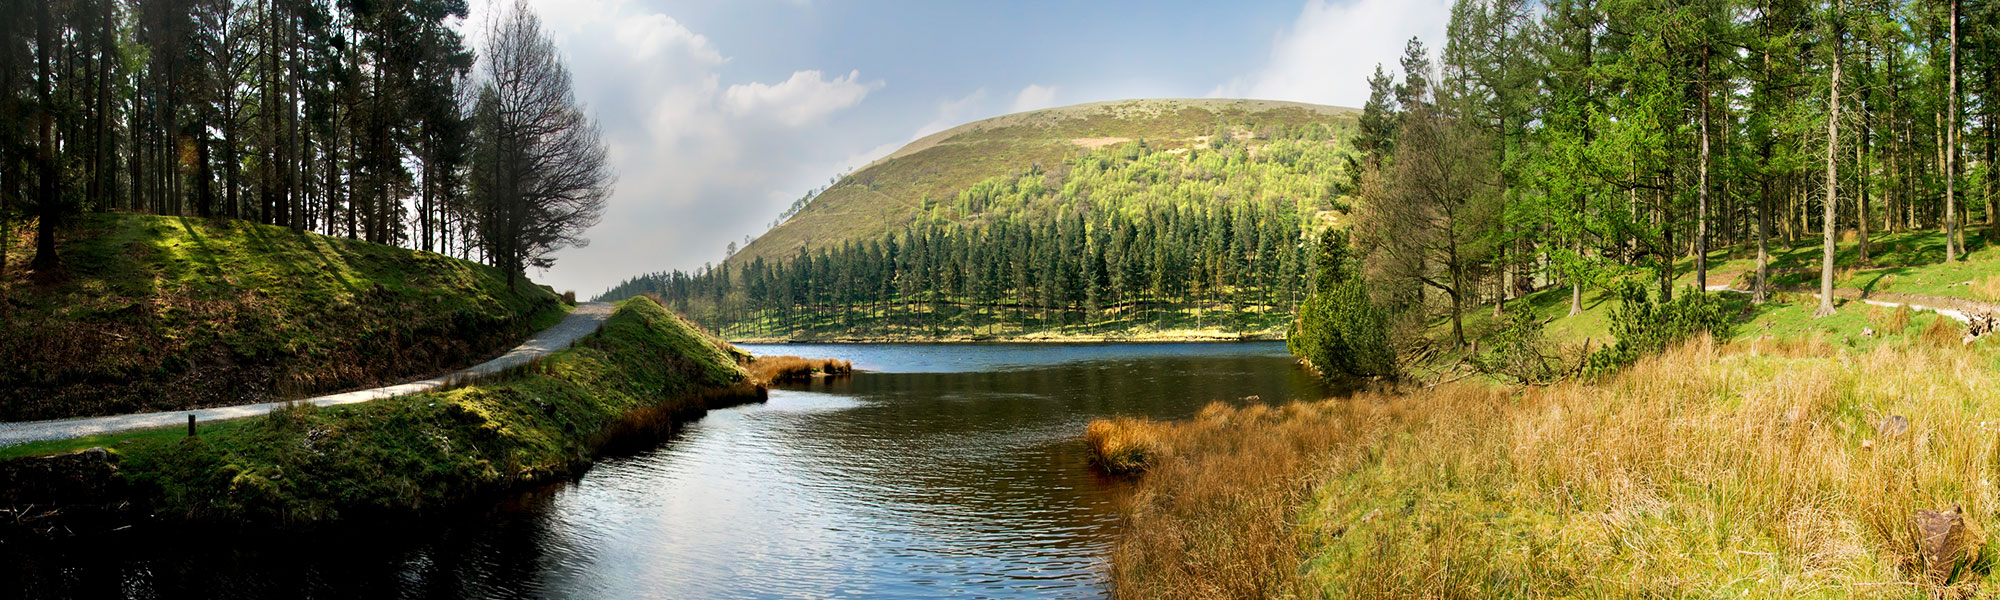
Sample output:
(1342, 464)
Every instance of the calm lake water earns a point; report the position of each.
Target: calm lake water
(942, 470)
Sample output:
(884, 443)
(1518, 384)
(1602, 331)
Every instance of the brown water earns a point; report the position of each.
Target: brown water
(943, 470)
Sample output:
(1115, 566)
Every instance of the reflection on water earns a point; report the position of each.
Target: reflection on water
(944, 470)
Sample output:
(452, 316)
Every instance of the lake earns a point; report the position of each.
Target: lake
(939, 470)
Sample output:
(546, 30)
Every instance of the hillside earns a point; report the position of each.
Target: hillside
(1131, 220)
(889, 193)
(165, 313)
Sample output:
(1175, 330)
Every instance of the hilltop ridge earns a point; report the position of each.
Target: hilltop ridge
(888, 193)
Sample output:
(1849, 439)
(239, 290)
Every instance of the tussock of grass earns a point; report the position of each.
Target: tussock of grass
(776, 369)
(1890, 320)
(1121, 445)
(415, 453)
(1753, 469)
(1214, 513)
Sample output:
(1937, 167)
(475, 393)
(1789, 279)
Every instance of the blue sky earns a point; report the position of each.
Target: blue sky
(720, 113)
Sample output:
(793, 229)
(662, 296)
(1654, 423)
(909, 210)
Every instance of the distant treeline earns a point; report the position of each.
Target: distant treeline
(1132, 233)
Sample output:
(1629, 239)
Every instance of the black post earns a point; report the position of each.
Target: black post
(190, 424)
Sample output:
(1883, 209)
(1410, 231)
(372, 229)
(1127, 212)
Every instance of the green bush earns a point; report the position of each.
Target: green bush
(1644, 326)
(1520, 353)
(1339, 330)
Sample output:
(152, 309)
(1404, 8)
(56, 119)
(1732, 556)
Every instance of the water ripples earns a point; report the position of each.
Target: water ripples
(947, 471)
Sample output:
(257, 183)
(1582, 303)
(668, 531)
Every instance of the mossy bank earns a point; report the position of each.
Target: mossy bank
(404, 456)
(155, 313)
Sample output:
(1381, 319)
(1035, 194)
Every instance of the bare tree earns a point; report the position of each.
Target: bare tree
(1435, 208)
(540, 175)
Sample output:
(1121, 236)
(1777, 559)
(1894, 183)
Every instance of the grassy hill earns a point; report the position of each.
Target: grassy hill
(885, 195)
(168, 313)
(1135, 219)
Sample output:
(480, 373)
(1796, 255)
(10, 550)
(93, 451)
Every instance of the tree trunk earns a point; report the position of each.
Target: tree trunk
(1952, 243)
(101, 143)
(1701, 210)
(1827, 208)
(47, 214)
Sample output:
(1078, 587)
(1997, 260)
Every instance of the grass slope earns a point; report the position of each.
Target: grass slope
(1751, 470)
(1909, 262)
(885, 195)
(1753, 467)
(414, 453)
(167, 313)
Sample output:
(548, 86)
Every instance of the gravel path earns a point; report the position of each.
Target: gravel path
(584, 320)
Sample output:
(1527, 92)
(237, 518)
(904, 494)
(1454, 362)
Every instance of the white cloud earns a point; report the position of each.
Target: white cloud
(1329, 52)
(1034, 97)
(701, 159)
(803, 99)
(656, 35)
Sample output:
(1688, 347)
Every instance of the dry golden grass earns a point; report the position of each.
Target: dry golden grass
(1890, 320)
(1749, 470)
(773, 369)
(1987, 288)
(1944, 333)
(1121, 445)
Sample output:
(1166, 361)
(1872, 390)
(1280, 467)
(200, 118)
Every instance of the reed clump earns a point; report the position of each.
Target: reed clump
(1121, 445)
(1745, 470)
(780, 369)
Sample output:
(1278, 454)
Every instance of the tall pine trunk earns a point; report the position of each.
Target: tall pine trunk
(1827, 208)
(48, 215)
(1701, 210)
(1952, 243)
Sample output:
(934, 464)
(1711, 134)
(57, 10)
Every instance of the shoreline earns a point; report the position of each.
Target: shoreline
(306, 468)
(1266, 336)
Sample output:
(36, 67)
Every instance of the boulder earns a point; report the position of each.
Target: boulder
(1946, 539)
(1892, 426)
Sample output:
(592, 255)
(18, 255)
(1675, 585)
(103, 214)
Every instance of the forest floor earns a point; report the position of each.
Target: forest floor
(1853, 455)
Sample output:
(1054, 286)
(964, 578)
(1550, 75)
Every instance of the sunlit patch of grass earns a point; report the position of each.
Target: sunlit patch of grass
(1753, 469)
(168, 313)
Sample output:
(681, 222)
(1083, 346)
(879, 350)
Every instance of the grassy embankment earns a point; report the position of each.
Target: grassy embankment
(1772, 465)
(169, 313)
(646, 368)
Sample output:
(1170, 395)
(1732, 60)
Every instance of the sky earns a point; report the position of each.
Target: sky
(718, 114)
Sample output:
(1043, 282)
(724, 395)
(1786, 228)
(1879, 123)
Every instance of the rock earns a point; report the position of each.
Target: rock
(1979, 324)
(83, 476)
(1945, 539)
(1892, 426)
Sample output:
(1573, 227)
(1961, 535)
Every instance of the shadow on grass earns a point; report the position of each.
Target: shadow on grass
(1875, 278)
